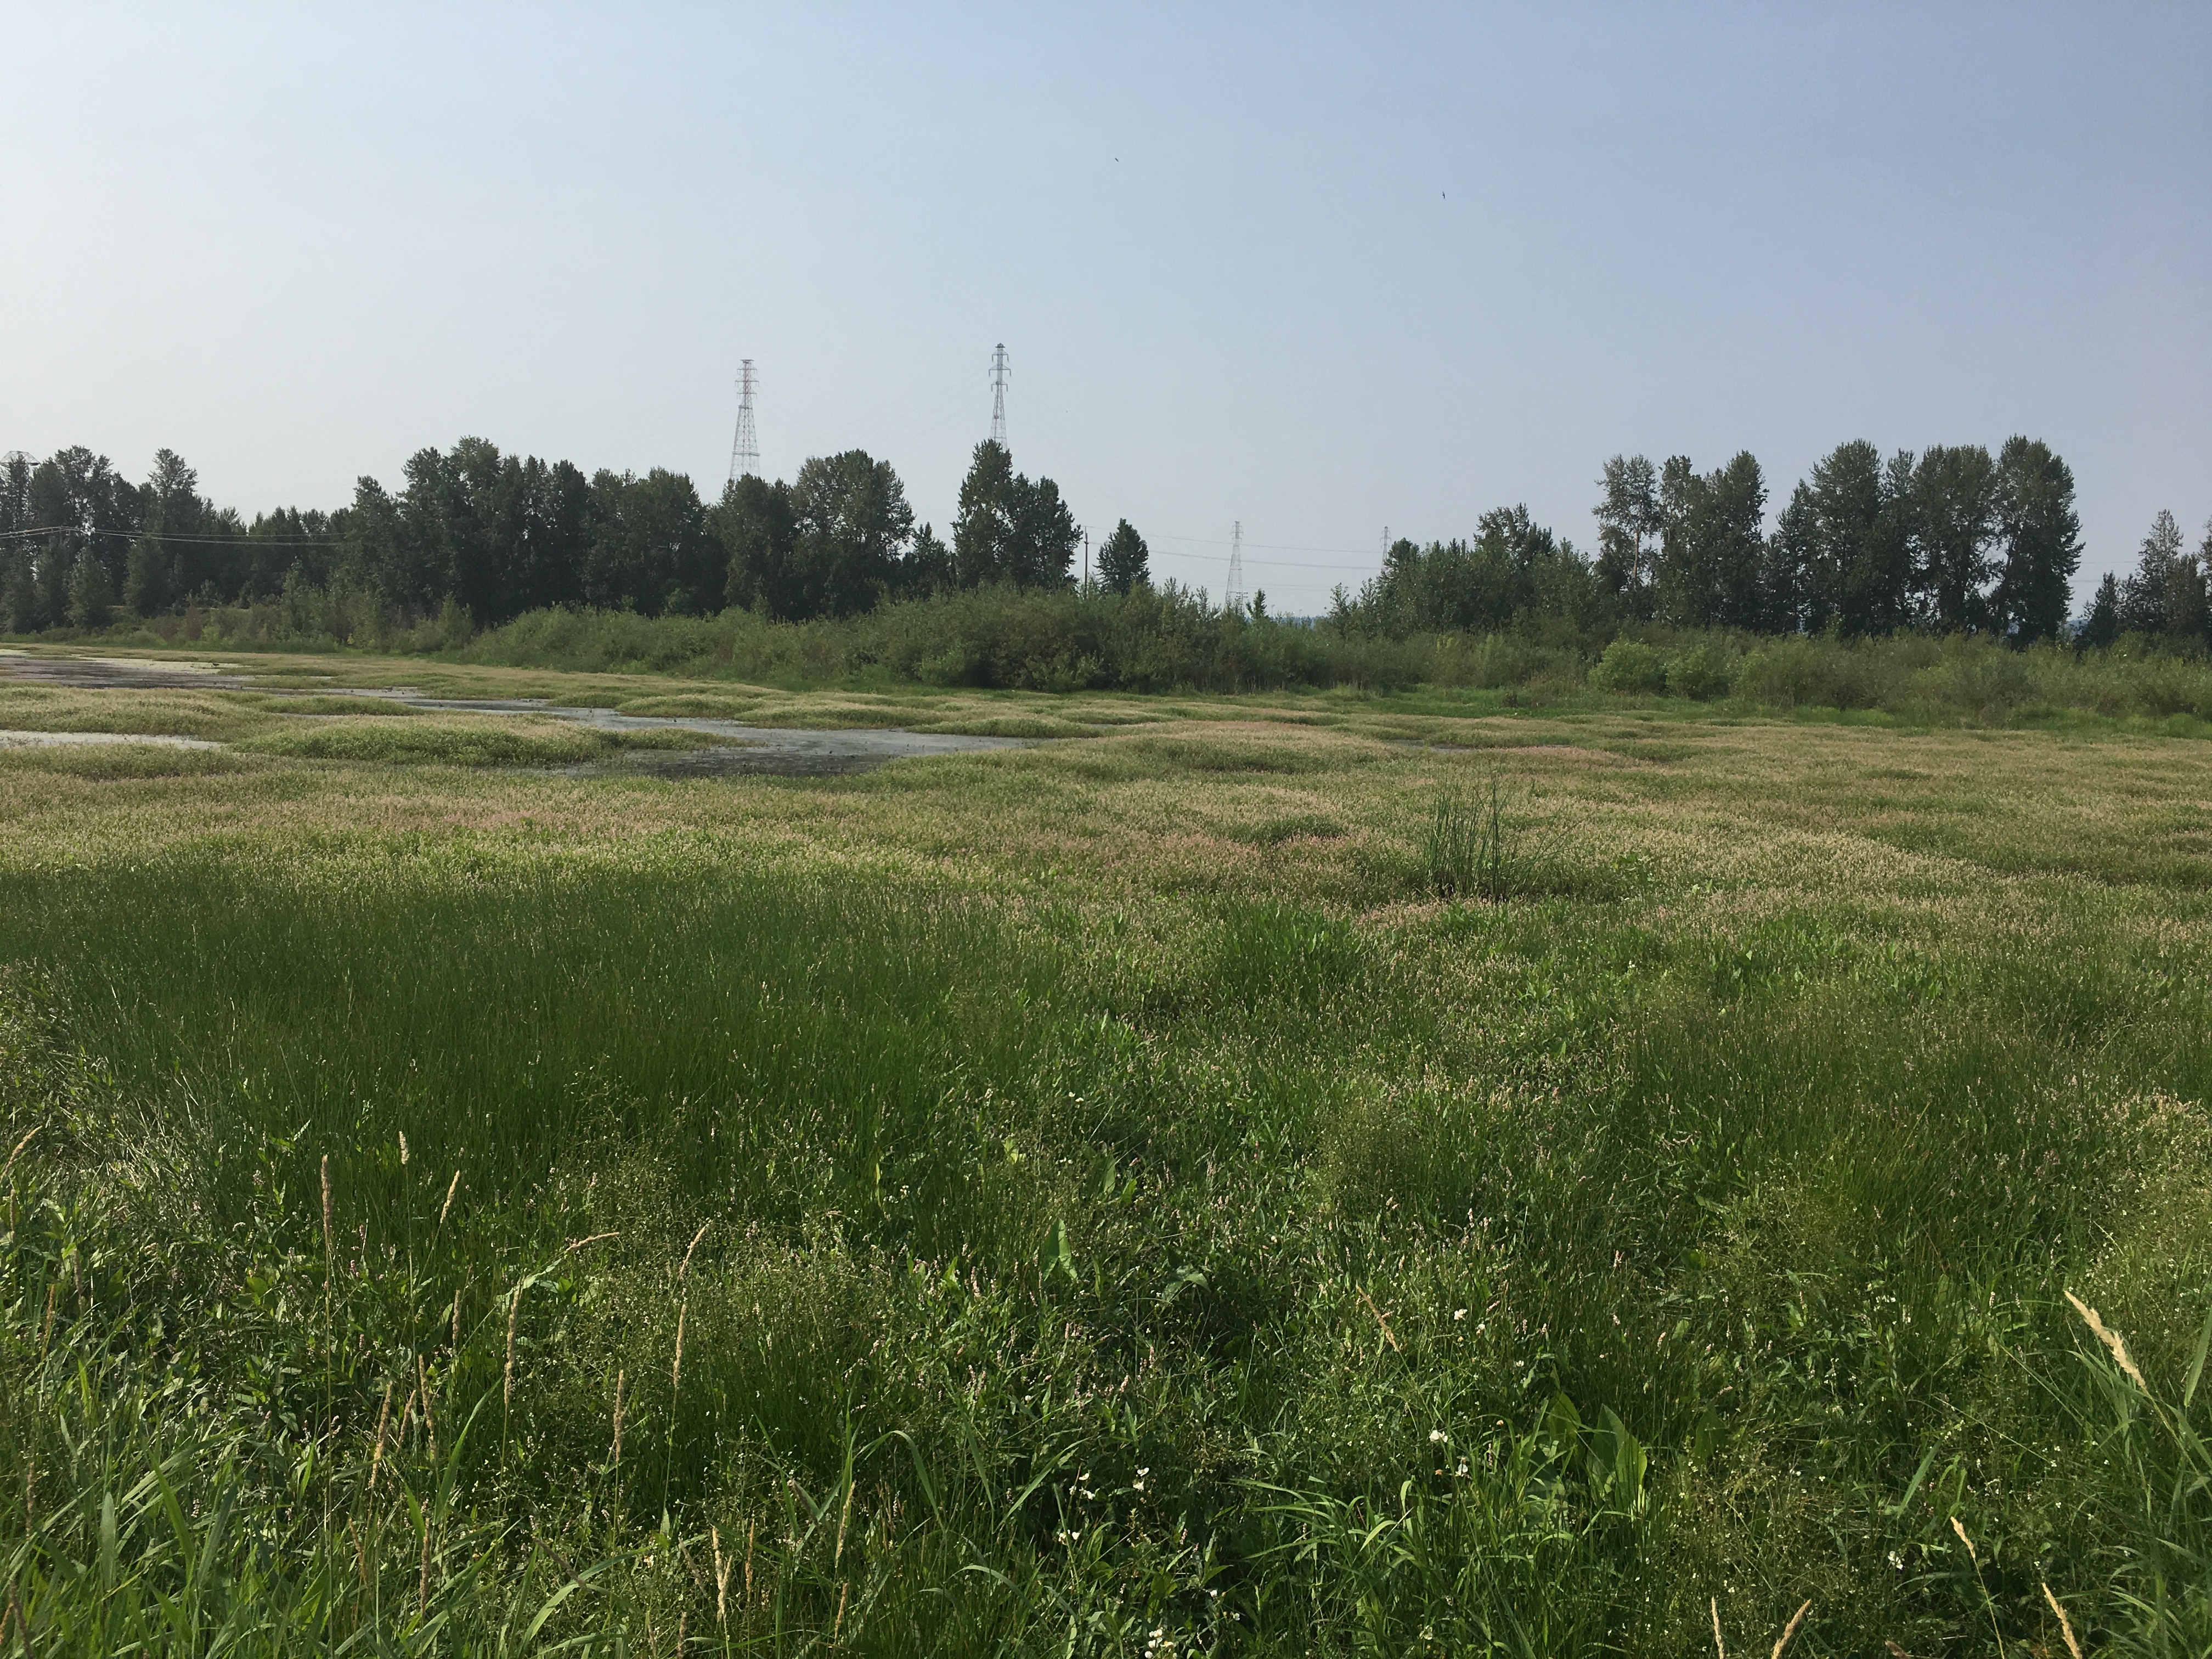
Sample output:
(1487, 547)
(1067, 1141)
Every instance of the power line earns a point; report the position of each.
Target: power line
(1272, 547)
(1367, 566)
(244, 538)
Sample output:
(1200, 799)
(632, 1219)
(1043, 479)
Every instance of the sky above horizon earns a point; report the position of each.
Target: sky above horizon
(1318, 271)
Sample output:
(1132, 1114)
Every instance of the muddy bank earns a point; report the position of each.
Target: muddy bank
(780, 750)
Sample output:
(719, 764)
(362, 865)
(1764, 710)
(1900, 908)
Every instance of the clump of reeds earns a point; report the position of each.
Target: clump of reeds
(1477, 845)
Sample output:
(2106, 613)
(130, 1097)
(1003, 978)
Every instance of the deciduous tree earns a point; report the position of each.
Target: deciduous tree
(2041, 536)
(1954, 503)
(1124, 561)
(851, 526)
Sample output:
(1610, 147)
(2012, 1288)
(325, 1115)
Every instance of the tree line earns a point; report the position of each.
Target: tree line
(497, 535)
(1952, 540)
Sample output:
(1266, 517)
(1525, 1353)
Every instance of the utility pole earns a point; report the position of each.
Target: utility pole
(999, 371)
(745, 449)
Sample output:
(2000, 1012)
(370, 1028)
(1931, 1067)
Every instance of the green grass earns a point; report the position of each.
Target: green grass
(456, 740)
(1100, 1259)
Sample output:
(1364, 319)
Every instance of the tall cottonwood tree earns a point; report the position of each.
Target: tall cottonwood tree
(1954, 503)
(1630, 525)
(1124, 561)
(2040, 535)
(1713, 547)
(1845, 542)
(753, 523)
(2164, 597)
(1010, 529)
(851, 525)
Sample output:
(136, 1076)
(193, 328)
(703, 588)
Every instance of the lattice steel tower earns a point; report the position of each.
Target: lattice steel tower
(999, 372)
(745, 449)
(1234, 597)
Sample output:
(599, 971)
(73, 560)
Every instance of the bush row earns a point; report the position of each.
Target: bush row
(1171, 639)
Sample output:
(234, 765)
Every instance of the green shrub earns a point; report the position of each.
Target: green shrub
(1629, 665)
(1700, 673)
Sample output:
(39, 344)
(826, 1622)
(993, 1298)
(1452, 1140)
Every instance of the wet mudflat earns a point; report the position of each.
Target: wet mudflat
(747, 750)
(121, 673)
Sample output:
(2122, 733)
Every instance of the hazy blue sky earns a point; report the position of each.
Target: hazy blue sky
(1321, 270)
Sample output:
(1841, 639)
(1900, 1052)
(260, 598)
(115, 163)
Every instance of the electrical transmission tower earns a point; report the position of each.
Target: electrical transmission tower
(745, 449)
(1234, 597)
(999, 372)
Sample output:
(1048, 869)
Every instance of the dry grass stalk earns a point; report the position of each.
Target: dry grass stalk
(575, 1244)
(721, 1578)
(18, 1153)
(2112, 1340)
(1974, 1556)
(676, 1370)
(329, 1239)
(695, 1238)
(422, 1389)
(2065, 1625)
(513, 1308)
(620, 1377)
(751, 1527)
(457, 1320)
(1388, 1335)
(383, 1420)
(446, 1208)
(1791, 1629)
(844, 1519)
(1719, 1647)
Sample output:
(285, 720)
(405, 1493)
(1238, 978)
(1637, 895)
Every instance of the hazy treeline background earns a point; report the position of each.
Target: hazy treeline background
(1872, 562)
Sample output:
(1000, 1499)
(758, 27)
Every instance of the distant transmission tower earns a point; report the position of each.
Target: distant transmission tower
(999, 372)
(1235, 597)
(745, 449)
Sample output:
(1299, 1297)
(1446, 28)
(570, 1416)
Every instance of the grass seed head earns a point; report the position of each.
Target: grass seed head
(2065, 1625)
(18, 1153)
(422, 1390)
(621, 1378)
(383, 1419)
(676, 1370)
(2112, 1340)
(1791, 1629)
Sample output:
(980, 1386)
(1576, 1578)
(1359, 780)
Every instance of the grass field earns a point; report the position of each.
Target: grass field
(1284, 1175)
